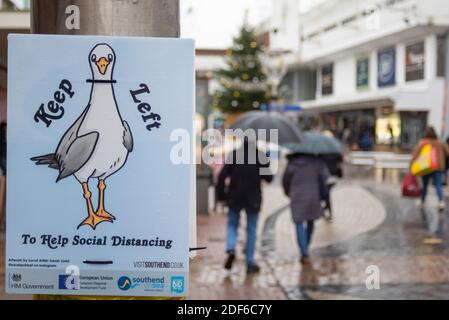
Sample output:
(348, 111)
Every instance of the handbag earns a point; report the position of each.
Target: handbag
(427, 161)
(410, 187)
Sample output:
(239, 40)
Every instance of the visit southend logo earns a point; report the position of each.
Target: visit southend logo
(125, 283)
(145, 283)
(177, 285)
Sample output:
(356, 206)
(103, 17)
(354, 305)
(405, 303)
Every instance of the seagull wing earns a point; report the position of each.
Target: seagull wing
(73, 151)
(127, 137)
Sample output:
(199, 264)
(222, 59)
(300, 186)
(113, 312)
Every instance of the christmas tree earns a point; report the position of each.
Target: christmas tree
(243, 82)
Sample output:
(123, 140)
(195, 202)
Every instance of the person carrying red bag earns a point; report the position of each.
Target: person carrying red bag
(411, 187)
(442, 151)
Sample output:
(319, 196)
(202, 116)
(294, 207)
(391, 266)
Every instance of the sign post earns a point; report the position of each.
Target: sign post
(144, 18)
(107, 58)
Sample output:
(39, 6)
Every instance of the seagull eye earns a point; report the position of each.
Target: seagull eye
(110, 57)
(94, 58)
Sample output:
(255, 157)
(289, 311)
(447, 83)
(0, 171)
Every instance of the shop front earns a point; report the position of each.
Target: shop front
(356, 128)
(388, 127)
(413, 125)
(380, 128)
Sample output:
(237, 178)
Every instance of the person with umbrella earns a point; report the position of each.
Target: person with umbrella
(244, 192)
(267, 122)
(304, 182)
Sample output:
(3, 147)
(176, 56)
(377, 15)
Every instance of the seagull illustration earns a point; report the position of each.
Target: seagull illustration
(97, 145)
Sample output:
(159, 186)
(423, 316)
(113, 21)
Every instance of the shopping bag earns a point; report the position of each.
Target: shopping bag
(427, 161)
(410, 187)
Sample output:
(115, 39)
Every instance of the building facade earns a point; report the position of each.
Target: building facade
(373, 69)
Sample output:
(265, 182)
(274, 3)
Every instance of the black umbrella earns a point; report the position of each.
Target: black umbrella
(259, 120)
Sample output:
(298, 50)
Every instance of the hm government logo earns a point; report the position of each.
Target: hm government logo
(16, 277)
(69, 282)
(177, 285)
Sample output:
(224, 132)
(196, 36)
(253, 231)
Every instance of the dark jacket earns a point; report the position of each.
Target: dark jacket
(301, 184)
(244, 190)
(334, 163)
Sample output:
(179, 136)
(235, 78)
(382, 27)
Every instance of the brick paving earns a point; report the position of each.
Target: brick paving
(373, 226)
(411, 266)
(209, 281)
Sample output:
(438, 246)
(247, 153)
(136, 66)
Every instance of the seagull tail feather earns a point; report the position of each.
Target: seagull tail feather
(48, 160)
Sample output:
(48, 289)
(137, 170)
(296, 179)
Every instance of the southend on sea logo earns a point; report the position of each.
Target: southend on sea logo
(125, 283)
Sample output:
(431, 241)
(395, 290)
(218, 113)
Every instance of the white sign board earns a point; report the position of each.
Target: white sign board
(95, 204)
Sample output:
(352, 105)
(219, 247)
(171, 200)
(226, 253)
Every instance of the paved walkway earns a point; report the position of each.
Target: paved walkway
(373, 227)
(208, 278)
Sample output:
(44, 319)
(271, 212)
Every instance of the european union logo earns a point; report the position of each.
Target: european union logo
(69, 282)
(177, 285)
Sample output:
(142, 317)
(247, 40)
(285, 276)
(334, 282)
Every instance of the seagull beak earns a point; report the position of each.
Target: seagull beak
(102, 65)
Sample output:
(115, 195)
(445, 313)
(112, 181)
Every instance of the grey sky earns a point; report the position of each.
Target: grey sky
(213, 23)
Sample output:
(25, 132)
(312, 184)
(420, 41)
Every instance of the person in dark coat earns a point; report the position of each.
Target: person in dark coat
(334, 163)
(245, 170)
(302, 184)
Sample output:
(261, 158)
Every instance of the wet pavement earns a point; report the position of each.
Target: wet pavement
(408, 246)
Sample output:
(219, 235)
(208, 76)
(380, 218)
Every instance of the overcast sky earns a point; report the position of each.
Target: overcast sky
(213, 23)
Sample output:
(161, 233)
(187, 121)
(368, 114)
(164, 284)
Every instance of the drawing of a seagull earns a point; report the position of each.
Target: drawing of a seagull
(97, 145)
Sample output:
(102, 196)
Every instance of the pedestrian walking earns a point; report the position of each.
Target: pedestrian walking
(334, 163)
(329, 150)
(346, 137)
(391, 132)
(243, 193)
(446, 171)
(217, 166)
(303, 182)
(438, 150)
(366, 140)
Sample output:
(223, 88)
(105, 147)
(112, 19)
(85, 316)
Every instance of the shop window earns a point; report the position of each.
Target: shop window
(327, 79)
(415, 61)
(441, 55)
(388, 129)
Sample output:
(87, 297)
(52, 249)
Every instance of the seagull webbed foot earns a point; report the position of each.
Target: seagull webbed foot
(104, 214)
(93, 220)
